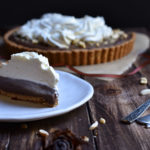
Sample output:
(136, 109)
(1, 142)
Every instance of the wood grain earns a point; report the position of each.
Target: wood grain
(27, 139)
(114, 100)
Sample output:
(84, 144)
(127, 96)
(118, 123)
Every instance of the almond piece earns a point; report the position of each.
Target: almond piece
(94, 125)
(43, 133)
(143, 80)
(145, 92)
(102, 121)
(85, 138)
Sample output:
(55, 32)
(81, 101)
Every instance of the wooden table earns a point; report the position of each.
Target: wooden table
(112, 101)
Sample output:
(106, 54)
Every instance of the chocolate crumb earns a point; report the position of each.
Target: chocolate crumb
(24, 126)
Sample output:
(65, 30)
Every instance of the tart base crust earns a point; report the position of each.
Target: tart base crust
(18, 97)
(75, 57)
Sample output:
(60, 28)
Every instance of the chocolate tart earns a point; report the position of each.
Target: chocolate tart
(24, 90)
(74, 55)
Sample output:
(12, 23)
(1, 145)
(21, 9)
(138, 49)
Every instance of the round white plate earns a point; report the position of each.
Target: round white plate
(73, 92)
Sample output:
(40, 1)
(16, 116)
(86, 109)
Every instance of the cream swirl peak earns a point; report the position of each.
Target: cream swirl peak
(60, 30)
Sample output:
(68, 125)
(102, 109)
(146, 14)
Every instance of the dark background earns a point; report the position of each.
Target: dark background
(117, 13)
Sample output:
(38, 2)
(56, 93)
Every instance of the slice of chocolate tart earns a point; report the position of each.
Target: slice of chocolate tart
(28, 77)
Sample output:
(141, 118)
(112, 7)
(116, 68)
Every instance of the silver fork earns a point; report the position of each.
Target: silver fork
(136, 113)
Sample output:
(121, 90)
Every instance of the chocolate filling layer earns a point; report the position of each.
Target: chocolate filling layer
(29, 88)
(28, 43)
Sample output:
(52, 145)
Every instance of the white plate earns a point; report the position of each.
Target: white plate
(73, 92)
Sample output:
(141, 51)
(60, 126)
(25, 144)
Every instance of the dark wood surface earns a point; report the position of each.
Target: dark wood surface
(112, 100)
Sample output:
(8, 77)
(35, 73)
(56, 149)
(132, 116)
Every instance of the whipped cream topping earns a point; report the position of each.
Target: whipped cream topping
(30, 66)
(60, 30)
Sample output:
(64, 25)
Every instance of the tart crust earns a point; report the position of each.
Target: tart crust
(76, 56)
(19, 97)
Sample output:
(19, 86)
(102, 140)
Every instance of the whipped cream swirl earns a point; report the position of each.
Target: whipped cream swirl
(60, 30)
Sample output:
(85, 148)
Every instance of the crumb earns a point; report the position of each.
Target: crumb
(143, 80)
(85, 138)
(97, 44)
(102, 121)
(94, 125)
(24, 126)
(52, 130)
(145, 92)
(43, 133)
(96, 132)
(82, 44)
